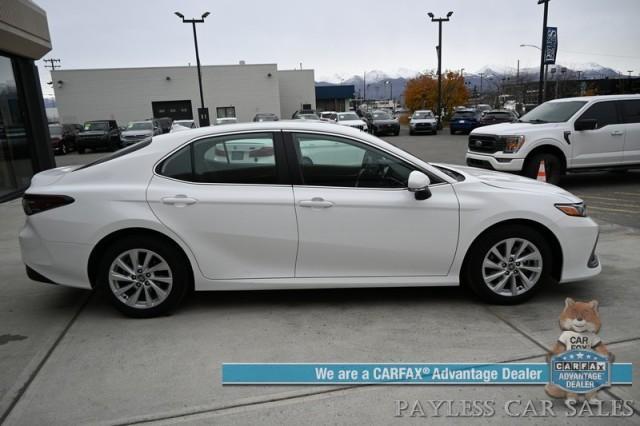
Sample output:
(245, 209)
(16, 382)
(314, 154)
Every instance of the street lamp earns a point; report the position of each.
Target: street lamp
(390, 83)
(203, 113)
(544, 44)
(546, 71)
(439, 50)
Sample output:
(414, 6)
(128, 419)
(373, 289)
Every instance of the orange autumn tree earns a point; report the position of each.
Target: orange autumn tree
(421, 92)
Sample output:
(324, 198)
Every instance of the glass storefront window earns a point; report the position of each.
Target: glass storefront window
(16, 167)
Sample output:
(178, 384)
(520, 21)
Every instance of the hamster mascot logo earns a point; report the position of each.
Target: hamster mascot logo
(579, 361)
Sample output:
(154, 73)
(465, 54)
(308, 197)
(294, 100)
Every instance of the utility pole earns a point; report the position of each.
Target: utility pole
(203, 113)
(481, 76)
(53, 63)
(543, 48)
(364, 86)
(439, 49)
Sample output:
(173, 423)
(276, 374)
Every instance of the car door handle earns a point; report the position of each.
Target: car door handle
(316, 202)
(179, 200)
(617, 133)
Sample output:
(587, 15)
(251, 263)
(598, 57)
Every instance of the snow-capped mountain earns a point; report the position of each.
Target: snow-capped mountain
(492, 76)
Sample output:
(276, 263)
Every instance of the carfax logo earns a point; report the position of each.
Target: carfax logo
(580, 371)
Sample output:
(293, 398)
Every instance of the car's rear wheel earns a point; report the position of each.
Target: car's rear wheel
(553, 167)
(80, 149)
(143, 276)
(508, 265)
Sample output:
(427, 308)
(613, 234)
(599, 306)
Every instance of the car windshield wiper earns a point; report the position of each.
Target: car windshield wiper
(535, 121)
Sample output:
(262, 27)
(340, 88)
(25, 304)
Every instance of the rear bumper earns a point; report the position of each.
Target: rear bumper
(53, 261)
(501, 164)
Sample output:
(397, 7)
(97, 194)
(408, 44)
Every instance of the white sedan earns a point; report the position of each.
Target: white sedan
(351, 119)
(286, 205)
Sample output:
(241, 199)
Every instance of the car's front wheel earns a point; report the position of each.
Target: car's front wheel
(143, 276)
(507, 265)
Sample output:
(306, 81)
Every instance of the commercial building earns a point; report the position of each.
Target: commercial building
(128, 94)
(24, 135)
(334, 97)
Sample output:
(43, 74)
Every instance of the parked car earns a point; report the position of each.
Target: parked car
(381, 122)
(265, 116)
(570, 134)
(139, 131)
(329, 116)
(464, 120)
(423, 121)
(305, 116)
(226, 120)
(498, 116)
(63, 137)
(351, 119)
(99, 134)
(407, 222)
(164, 123)
(482, 108)
(182, 125)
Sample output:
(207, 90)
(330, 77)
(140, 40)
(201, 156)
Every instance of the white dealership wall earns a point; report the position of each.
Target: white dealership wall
(295, 90)
(126, 94)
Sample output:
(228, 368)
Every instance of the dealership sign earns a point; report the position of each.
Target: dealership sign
(551, 45)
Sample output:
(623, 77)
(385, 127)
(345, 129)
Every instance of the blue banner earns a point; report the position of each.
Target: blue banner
(416, 373)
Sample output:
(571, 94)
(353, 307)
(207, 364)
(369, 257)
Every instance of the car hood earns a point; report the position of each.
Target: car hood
(512, 181)
(423, 120)
(385, 121)
(137, 133)
(514, 128)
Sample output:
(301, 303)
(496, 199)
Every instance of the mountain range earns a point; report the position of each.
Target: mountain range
(380, 84)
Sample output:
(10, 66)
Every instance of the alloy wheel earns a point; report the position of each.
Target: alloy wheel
(140, 278)
(512, 267)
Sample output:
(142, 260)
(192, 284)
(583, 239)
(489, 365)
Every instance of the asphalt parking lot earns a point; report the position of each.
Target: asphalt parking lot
(67, 357)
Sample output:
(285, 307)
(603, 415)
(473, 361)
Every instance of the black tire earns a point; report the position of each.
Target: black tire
(554, 169)
(434, 132)
(178, 268)
(472, 274)
(453, 132)
(80, 149)
(396, 133)
(411, 133)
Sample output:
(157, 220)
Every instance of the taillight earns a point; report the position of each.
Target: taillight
(35, 203)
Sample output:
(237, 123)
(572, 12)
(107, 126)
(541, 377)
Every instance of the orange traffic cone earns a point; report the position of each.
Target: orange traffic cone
(542, 173)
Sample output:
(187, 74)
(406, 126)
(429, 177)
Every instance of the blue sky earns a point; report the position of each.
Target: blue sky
(340, 37)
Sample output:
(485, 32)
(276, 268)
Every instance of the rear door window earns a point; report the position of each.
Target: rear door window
(631, 111)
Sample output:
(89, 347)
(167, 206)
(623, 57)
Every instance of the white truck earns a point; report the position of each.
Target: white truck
(566, 135)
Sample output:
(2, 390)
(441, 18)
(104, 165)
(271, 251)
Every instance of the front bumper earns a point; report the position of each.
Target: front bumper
(423, 127)
(502, 163)
(579, 238)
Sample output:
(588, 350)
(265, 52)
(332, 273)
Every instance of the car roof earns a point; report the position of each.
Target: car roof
(598, 97)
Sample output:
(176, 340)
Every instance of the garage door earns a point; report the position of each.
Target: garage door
(177, 110)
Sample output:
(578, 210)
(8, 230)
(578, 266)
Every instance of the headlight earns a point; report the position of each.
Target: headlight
(512, 143)
(573, 209)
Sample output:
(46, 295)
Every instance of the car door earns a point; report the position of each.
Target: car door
(357, 219)
(631, 119)
(602, 146)
(228, 198)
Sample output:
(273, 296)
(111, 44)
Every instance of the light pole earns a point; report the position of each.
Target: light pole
(439, 49)
(203, 113)
(546, 71)
(544, 44)
(390, 83)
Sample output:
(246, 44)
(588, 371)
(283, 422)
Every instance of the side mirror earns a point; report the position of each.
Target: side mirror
(586, 124)
(419, 185)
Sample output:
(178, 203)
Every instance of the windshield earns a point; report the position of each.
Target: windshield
(117, 154)
(96, 126)
(348, 116)
(55, 130)
(498, 114)
(423, 114)
(186, 123)
(308, 116)
(381, 116)
(140, 125)
(553, 112)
